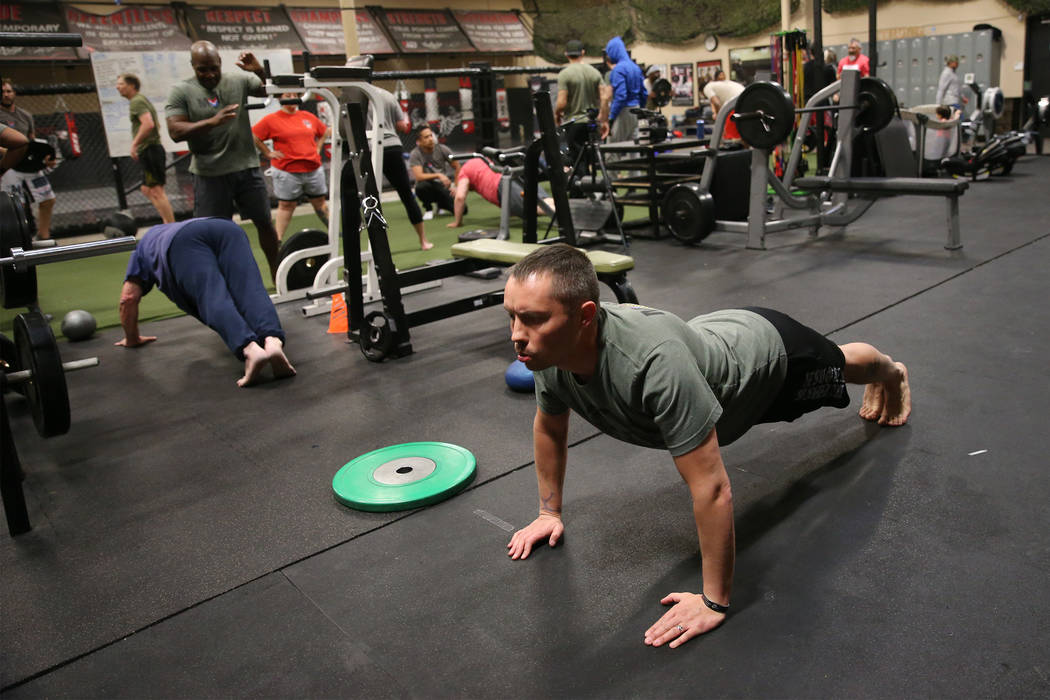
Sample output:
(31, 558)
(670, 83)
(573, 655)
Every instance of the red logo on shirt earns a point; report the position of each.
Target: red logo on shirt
(213, 101)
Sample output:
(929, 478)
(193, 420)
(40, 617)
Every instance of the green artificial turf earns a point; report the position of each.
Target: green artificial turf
(93, 284)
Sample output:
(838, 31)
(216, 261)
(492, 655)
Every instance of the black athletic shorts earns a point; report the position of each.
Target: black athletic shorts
(814, 376)
(152, 159)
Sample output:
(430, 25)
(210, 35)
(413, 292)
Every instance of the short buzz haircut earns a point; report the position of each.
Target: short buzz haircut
(132, 80)
(573, 280)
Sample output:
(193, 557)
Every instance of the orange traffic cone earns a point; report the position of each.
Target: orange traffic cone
(337, 320)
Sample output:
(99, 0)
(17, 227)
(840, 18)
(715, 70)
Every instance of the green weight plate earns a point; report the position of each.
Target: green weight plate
(777, 108)
(401, 477)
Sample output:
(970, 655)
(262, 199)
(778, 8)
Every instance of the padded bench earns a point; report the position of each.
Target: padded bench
(611, 267)
(886, 186)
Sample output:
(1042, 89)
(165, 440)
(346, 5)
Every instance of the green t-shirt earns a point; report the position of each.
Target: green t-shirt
(665, 383)
(227, 148)
(581, 82)
(137, 106)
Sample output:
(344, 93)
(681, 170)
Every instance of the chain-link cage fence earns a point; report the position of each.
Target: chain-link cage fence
(87, 182)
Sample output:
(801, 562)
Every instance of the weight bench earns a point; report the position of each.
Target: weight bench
(611, 267)
(886, 186)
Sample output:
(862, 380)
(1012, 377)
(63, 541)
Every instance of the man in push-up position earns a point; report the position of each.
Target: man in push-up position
(649, 378)
(206, 267)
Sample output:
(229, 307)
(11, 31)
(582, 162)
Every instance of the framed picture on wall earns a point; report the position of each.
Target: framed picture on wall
(706, 71)
(682, 84)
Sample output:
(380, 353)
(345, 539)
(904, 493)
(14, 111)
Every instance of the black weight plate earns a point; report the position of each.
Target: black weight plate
(37, 154)
(770, 99)
(303, 272)
(18, 286)
(662, 92)
(11, 361)
(689, 212)
(46, 389)
(377, 336)
(876, 102)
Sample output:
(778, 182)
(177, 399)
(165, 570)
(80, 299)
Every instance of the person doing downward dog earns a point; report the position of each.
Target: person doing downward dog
(206, 267)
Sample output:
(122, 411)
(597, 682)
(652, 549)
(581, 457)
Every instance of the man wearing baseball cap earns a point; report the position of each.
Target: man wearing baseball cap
(579, 88)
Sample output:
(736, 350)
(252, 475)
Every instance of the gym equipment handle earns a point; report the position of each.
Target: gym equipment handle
(831, 108)
(744, 116)
(24, 375)
(21, 259)
(747, 116)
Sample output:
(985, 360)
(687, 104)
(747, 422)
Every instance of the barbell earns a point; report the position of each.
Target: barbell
(18, 260)
(33, 367)
(765, 113)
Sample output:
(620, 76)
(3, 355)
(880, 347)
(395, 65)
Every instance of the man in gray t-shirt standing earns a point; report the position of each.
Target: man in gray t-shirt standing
(649, 378)
(209, 112)
(949, 87)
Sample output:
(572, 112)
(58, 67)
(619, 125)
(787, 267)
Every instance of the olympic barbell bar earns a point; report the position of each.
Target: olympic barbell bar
(765, 113)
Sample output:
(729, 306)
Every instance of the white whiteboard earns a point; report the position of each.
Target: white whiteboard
(159, 71)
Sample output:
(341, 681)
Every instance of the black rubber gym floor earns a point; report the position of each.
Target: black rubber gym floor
(186, 542)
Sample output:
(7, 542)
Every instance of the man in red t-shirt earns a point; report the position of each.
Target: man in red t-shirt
(855, 60)
(476, 174)
(298, 139)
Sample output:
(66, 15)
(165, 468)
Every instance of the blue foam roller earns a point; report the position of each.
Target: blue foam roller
(519, 377)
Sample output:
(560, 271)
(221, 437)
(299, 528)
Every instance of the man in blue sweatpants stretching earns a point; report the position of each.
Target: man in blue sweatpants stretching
(206, 267)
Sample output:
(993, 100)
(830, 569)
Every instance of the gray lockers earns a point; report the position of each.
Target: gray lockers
(913, 66)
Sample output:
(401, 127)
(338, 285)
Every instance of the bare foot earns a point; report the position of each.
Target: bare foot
(454, 224)
(426, 245)
(896, 406)
(282, 368)
(871, 408)
(255, 359)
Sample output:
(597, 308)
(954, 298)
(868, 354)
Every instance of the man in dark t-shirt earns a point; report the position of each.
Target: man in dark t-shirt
(435, 172)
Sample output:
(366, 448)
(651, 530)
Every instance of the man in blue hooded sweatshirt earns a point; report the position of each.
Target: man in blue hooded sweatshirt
(628, 90)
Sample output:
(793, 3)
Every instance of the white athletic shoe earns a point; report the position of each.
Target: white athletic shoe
(444, 212)
(428, 215)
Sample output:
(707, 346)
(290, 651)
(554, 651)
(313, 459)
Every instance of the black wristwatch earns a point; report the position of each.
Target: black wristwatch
(714, 606)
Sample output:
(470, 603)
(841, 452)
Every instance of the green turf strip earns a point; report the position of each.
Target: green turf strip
(93, 284)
